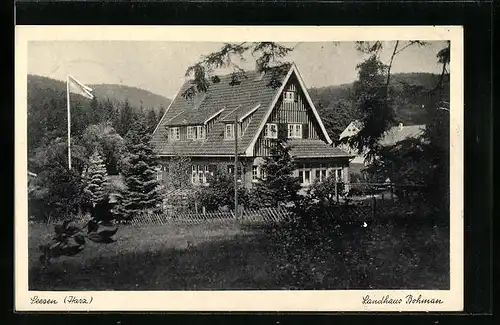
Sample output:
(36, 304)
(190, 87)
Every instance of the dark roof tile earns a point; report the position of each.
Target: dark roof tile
(239, 99)
(311, 148)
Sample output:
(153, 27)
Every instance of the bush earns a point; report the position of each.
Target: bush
(326, 190)
(219, 194)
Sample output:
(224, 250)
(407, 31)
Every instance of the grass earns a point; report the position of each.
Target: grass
(232, 256)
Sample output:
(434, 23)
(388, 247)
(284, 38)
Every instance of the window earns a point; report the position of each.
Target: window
(159, 173)
(175, 134)
(320, 174)
(289, 96)
(200, 173)
(231, 169)
(200, 132)
(194, 175)
(338, 175)
(295, 131)
(190, 132)
(307, 177)
(271, 131)
(255, 173)
(229, 133)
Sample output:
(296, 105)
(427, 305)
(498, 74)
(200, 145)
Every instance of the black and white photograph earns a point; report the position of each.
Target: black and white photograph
(227, 163)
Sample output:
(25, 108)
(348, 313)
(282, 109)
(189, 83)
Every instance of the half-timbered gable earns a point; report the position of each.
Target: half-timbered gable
(292, 117)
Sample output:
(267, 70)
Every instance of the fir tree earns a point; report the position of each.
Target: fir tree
(143, 190)
(96, 180)
(278, 186)
(127, 115)
(152, 119)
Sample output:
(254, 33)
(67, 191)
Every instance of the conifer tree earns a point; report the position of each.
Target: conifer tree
(138, 168)
(278, 186)
(152, 119)
(96, 180)
(126, 118)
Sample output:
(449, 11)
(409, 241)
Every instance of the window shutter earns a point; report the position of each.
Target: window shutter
(305, 131)
(282, 131)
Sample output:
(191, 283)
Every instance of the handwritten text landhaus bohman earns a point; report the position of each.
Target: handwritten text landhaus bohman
(408, 299)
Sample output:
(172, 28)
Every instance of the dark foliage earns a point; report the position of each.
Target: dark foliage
(57, 191)
(278, 186)
(219, 194)
(268, 56)
(70, 239)
(138, 168)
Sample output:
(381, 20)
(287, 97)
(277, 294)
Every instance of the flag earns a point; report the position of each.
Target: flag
(77, 87)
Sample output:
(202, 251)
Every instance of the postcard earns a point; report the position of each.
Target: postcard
(239, 168)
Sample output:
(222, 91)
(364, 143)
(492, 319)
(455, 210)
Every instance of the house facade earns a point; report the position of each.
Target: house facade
(246, 117)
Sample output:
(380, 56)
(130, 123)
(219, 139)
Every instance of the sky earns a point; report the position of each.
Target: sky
(160, 66)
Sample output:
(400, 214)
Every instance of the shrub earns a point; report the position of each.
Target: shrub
(327, 190)
(219, 194)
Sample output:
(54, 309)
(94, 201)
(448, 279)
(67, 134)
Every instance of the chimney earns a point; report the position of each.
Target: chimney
(400, 126)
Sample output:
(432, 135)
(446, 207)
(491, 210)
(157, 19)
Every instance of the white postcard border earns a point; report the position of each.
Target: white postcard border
(316, 300)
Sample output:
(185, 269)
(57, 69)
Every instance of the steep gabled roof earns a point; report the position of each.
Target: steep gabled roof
(394, 134)
(242, 98)
(399, 133)
(253, 97)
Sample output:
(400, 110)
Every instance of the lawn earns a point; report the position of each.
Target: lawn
(232, 256)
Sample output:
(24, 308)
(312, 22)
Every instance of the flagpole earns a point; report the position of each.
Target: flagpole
(69, 123)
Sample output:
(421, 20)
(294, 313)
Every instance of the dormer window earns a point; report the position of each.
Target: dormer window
(196, 132)
(191, 132)
(200, 132)
(175, 133)
(271, 131)
(289, 96)
(229, 132)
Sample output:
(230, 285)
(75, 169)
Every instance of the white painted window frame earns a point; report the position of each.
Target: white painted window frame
(267, 131)
(200, 132)
(289, 96)
(190, 133)
(175, 133)
(231, 135)
(293, 129)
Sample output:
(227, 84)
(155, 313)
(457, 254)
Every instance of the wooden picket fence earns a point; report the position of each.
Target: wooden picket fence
(263, 215)
(336, 213)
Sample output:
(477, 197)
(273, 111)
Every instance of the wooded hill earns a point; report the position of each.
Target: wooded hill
(114, 104)
(409, 91)
(137, 97)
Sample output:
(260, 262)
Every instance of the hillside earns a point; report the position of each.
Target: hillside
(135, 96)
(116, 93)
(47, 110)
(336, 104)
(409, 91)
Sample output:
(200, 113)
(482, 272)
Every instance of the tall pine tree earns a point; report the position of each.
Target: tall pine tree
(95, 180)
(278, 186)
(143, 190)
(126, 118)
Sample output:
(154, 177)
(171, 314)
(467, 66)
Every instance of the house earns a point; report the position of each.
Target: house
(391, 137)
(203, 128)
